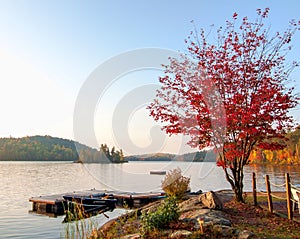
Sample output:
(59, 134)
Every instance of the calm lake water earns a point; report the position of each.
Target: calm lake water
(21, 180)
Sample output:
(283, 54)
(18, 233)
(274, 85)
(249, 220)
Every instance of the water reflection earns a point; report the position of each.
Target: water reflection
(21, 180)
(276, 173)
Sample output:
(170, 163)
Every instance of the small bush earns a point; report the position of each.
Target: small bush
(168, 212)
(174, 184)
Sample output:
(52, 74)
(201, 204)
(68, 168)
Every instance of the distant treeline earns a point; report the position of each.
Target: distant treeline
(104, 155)
(200, 156)
(36, 148)
(47, 148)
(290, 155)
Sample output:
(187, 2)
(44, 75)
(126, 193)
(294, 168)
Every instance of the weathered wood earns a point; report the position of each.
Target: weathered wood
(49, 204)
(48, 199)
(270, 203)
(254, 189)
(57, 204)
(288, 196)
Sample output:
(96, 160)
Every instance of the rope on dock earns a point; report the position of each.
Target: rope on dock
(277, 185)
(262, 192)
(275, 196)
(295, 186)
(287, 195)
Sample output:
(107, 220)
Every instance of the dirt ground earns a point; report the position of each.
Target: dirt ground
(260, 221)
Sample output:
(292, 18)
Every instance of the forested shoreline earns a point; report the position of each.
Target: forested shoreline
(290, 155)
(48, 148)
(38, 148)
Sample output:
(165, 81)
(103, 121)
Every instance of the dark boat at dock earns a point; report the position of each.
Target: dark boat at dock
(89, 202)
(79, 207)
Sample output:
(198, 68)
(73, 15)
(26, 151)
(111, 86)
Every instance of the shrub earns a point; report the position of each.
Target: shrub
(168, 212)
(174, 184)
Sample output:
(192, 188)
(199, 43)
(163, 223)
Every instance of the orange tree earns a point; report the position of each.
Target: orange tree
(232, 94)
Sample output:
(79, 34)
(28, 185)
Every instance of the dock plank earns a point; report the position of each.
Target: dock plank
(56, 202)
(49, 199)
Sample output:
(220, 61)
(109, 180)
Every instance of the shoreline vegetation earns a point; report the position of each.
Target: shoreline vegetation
(209, 215)
(202, 215)
(48, 148)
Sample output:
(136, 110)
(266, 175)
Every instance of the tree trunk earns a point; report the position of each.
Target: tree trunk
(236, 182)
(238, 194)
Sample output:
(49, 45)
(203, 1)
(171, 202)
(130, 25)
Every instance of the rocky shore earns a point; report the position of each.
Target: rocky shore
(198, 215)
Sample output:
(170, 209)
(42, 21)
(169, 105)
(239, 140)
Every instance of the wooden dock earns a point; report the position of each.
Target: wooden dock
(55, 205)
(52, 205)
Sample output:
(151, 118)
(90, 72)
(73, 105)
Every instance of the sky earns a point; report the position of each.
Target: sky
(50, 51)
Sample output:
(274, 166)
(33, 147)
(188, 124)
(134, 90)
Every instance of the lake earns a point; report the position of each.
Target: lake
(21, 180)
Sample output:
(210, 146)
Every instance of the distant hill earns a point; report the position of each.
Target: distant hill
(200, 156)
(48, 148)
(45, 148)
(151, 157)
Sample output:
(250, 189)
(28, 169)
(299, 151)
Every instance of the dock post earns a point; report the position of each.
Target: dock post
(270, 203)
(288, 196)
(34, 206)
(254, 189)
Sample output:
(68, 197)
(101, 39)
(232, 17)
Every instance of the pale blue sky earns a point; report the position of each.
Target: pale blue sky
(49, 48)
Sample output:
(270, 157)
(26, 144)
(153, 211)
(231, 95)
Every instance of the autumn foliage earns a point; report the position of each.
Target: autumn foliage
(231, 94)
(290, 155)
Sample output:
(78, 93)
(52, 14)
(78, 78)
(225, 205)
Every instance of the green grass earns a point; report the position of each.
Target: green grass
(77, 225)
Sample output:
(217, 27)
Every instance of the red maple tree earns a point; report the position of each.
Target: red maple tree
(232, 94)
